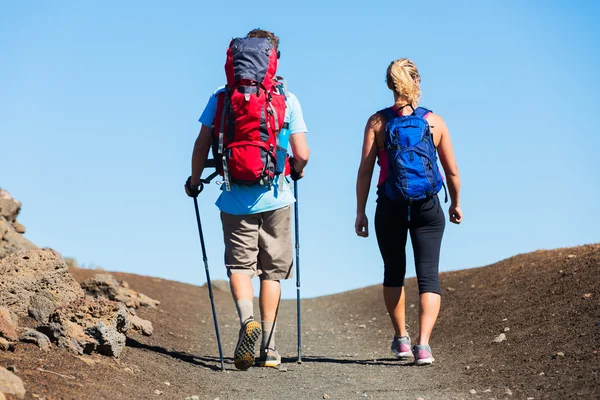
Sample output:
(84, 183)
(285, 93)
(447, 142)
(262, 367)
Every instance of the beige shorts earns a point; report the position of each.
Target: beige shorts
(259, 244)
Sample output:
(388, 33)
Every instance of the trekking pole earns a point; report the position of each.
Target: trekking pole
(210, 291)
(297, 272)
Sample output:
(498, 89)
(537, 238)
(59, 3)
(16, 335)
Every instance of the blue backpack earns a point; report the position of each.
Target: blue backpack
(413, 173)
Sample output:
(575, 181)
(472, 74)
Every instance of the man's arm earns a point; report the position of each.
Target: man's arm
(300, 151)
(200, 153)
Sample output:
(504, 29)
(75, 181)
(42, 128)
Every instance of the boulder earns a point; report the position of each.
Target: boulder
(69, 336)
(5, 345)
(38, 338)
(106, 286)
(141, 325)
(41, 305)
(11, 238)
(12, 241)
(19, 228)
(11, 384)
(9, 207)
(28, 273)
(88, 325)
(8, 325)
(147, 301)
(110, 341)
(88, 313)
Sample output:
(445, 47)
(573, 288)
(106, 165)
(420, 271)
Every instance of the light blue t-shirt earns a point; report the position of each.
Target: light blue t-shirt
(253, 199)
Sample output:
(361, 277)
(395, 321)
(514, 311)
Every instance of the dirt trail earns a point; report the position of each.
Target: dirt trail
(548, 300)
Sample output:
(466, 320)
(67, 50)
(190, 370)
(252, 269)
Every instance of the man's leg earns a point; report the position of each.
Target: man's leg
(275, 260)
(270, 294)
(243, 293)
(241, 252)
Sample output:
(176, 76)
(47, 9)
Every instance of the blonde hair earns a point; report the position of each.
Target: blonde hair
(403, 79)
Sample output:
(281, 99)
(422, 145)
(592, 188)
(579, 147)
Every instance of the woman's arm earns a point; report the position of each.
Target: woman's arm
(449, 164)
(365, 173)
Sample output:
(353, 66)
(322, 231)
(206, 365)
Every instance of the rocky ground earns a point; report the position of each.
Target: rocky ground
(544, 303)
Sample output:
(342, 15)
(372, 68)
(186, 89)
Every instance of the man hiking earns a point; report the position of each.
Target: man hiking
(242, 122)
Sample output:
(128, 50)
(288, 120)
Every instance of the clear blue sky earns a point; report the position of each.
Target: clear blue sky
(99, 104)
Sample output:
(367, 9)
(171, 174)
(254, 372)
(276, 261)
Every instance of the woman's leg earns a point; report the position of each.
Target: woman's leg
(426, 231)
(394, 302)
(391, 229)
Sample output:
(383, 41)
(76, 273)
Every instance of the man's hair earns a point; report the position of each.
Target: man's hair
(260, 33)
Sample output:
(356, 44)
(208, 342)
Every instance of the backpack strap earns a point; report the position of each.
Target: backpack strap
(422, 112)
(388, 113)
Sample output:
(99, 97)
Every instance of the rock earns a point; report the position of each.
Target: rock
(106, 286)
(69, 336)
(571, 256)
(141, 325)
(508, 392)
(325, 396)
(11, 384)
(8, 326)
(168, 383)
(158, 392)
(9, 207)
(88, 313)
(220, 285)
(110, 341)
(500, 338)
(362, 326)
(33, 336)
(193, 398)
(467, 367)
(147, 301)
(101, 285)
(87, 325)
(28, 273)
(487, 391)
(587, 295)
(559, 354)
(19, 228)
(507, 329)
(41, 306)
(473, 391)
(450, 289)
(12, 241)
(5, 345)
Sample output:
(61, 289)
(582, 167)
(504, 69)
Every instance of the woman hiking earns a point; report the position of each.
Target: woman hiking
(403, 139)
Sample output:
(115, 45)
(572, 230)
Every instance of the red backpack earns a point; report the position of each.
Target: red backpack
(250, 114)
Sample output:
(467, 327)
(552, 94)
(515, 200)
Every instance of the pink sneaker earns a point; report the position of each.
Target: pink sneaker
(422, 354)
(401, 346)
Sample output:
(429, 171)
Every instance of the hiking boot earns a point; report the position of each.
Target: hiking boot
(401, 346)
(422, 354)
(270, 358)
(243, 357)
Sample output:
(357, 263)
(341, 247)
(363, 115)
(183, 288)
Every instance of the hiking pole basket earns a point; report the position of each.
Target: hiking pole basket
(297, 233)
(210, 291)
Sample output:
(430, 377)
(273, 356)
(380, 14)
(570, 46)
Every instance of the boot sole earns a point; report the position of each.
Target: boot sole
(244, 352)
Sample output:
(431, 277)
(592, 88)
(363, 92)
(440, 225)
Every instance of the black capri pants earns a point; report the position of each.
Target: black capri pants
(426, 226)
